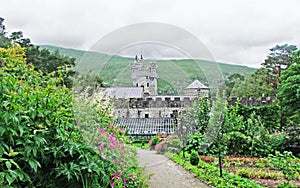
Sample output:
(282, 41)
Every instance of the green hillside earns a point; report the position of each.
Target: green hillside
(173, 75)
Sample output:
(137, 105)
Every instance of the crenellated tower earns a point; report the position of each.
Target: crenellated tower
(144, 76)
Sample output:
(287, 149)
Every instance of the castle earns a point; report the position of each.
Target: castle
(141, 110)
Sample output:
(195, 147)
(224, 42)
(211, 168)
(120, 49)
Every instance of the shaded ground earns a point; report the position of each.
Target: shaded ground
(166, 172)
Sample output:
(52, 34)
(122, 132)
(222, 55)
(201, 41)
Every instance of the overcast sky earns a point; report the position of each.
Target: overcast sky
(234, 31)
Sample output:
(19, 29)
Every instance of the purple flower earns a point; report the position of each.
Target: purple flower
(124, 181)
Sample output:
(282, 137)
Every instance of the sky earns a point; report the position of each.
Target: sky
(234, 31)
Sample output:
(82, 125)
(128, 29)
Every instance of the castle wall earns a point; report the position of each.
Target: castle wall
(171, 106)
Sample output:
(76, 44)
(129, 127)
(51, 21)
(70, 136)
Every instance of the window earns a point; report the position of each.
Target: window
(146, 115)
(148, 84)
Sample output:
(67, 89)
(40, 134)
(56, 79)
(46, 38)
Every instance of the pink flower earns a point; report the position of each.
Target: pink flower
(120, 171)
(101, 147)
(112, 184)
(122, 148)
(88, 135)
(124, 181)
(131, 176)
(102, 131)
(115, 175)
(111, 146)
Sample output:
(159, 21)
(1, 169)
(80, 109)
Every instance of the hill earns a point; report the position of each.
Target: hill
(173, 75)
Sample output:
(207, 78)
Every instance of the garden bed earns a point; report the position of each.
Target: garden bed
(257, 170)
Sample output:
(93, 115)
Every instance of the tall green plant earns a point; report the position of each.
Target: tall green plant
(40, 144)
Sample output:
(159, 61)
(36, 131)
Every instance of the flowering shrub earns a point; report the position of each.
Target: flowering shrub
(40, 144)
(161, 147)
(109, 141)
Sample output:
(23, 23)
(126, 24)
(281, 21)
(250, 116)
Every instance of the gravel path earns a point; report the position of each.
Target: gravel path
(166, 172)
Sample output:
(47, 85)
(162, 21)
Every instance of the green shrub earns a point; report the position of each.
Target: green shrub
(194, 158)
(155, 140)
(174, 144)
(40, 144)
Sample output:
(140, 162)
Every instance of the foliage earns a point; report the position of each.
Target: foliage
(49, 62)
(260, 83)
(43, 59)
(269, 115)
(154, 140)
(174, 144)
(194, 142)
(253, 173)
(231, 80)
(286, 184)
(289, 93)
(286, 162)
(280, 56)
(95, 118)
(40, 143)
(210, 174)
(194, 158)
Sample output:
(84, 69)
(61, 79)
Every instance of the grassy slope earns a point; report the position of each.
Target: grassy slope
(176, 74)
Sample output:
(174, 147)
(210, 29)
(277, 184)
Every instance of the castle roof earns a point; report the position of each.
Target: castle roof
(196, 85)
(123, 92)
(147, 126)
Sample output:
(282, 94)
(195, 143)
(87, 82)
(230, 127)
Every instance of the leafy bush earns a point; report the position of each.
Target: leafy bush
(287, 163)
(194, 158)
(40, 144)
(194, 142)
(174, 144)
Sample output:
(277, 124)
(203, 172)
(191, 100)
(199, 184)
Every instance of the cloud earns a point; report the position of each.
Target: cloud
(239, 32)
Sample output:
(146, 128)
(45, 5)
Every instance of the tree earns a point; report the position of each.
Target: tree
(231, 80)
(289, 91)
(279, 59)
(4, 41)
(43, 59)
(49, 62)
(260, 83)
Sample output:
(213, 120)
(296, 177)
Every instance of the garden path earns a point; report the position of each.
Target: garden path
(165, 172)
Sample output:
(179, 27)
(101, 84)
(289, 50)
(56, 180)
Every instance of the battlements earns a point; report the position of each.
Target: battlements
(184, 101)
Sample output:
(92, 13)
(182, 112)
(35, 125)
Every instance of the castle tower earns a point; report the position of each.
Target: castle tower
(144, 76)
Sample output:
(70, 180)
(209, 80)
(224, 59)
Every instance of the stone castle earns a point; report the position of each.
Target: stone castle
(140, 109)
(143, 112)
(142, 101)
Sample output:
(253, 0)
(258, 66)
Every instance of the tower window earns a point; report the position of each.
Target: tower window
(148, 84)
